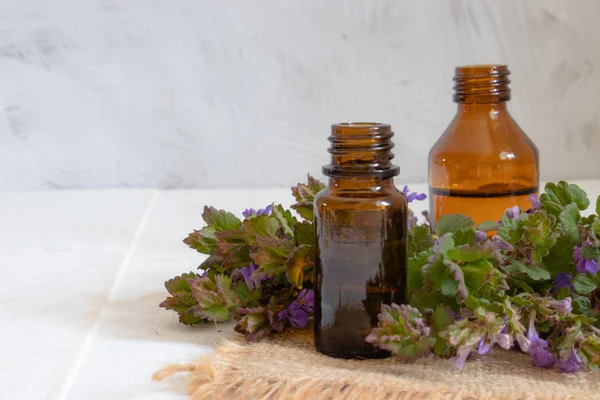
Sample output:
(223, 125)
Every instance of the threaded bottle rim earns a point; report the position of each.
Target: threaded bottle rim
(361, 150)
(481, 84)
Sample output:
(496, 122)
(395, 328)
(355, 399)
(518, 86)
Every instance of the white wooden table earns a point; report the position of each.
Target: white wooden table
(81, 277)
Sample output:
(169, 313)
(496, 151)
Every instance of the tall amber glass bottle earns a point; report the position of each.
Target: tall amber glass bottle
(483, 163)
(361, 228)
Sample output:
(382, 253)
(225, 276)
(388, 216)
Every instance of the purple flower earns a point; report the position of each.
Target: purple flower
(501, 244)
(483, 348)
(535, 202)
(562, 280)
(524, 343)
(504, 340)
(513, 212)
(563, 306)
(247, 274)
(540, 356)
(298, 310)
(248, 212)
(413, 196)
(583, 264)
(571, 364)
(480, 236)
(461, 356)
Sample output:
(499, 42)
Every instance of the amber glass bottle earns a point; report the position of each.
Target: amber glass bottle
(361, 228)
(483, 163)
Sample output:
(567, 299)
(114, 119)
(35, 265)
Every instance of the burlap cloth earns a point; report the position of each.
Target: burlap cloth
(288, 367)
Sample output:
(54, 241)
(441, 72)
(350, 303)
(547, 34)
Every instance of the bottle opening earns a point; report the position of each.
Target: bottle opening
(486, 83)
(362, 125)
(361, 150)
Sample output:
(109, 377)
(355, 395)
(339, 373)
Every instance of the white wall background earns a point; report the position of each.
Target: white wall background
(190, 93)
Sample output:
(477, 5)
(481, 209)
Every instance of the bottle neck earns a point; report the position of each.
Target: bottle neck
(491, 109)
(362, 185)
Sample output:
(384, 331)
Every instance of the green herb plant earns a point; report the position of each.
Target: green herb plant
(530, 281)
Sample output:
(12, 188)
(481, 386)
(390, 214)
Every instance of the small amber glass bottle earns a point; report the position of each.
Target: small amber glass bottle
(361, 228)
(483, 163)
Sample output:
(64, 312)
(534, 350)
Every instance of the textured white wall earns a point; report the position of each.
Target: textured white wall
(189, 93)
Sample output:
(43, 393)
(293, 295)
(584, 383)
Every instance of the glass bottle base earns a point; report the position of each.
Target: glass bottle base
(362, 354)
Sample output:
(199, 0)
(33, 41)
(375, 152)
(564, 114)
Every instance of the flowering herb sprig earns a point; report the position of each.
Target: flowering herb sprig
(530, 281)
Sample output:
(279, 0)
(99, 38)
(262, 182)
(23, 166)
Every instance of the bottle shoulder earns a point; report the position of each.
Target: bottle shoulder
(486, 136)
(391, 197)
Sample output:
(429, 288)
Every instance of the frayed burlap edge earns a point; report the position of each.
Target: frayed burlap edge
(288, 367)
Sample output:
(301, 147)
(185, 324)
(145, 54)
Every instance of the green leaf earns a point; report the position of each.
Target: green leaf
(522, 302)
(286, 219)
(212, 297)
(442, 318)
(220, 220)
(579, 196)
(223, 284)
(469, 254)
(519, 283)
(458, 275)
(558, 193)
(304, 232)
(584, 283)
(464, 236)
(449, 288)
(304, 209)
(550, 206)
(216, 313)
(204, 241)
(271, 251)
(472, 302)
(181, 300)
(534, 272)
(426, 300)
(445, 243)
(263, 226)
(232, 248)
(538, 229)
(598, 206)
(415, 273)
(297, 264)
(308, 191)
(452, 223)
(305, 196)
(488, 226)
(570, 218)
(438, 273)
(590, 252)
(271, 255)
(477, 274)
(243, 295)
(560, 256)
(589, 220)
(558, 196)
(562, 293)
(419, 239)
(582, 305)
(179, 286)
(511, 230)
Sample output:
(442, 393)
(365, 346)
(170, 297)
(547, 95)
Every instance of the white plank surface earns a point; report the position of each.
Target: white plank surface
(59, 254)
(135, 337)
(83, 274)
